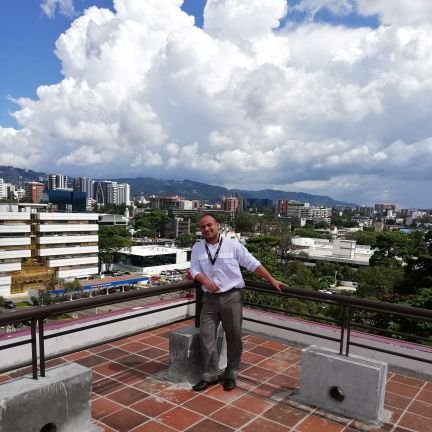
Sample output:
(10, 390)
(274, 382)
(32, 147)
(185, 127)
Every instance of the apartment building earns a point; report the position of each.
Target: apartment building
(57, 181)
(68, 243)
(230, 204)
(36, 247)
(34, 191)
(3, 189)
(15, 246)
(299, 212)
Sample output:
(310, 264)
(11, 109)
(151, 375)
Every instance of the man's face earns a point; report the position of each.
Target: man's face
(209, 228)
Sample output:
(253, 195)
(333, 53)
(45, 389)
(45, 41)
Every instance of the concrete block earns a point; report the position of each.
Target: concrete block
(351, 386)
(59, 402)
(185, 365)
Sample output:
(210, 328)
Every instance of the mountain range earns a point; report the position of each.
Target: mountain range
(186, 188)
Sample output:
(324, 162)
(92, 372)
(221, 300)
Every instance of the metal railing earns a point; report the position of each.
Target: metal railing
(348, 310)
(352, 317)
(37, 316)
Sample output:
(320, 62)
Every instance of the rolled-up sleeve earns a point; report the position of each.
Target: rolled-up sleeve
(195, 267)
(246, 259)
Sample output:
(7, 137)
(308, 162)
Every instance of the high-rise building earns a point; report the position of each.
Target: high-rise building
(67, 200)
(68, 243)
(100, 192)
(365, 211)
(57, 181)
(298, 211)
(34, 191)
(112, 193)
(15, 241)
(3, 189)
(84, 184)
(385, 209)
(230, 204)
(168, 202)
(123, 194)
(39, 246)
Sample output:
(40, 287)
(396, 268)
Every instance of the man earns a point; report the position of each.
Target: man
(215, 264)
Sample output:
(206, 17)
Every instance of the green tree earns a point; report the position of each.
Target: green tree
(149, 224)
(392, 249)
(307, 232)
(111, 240)
(72, 287)
(263, 247)
(186, 240)
(378, 281)
(368, 238)
(244, 222)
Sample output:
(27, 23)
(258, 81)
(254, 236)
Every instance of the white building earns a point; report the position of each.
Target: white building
(123, 194)
(118, 193)
(84, 184)
(344, 251)
(57, 181)
(68, 243)
(3, 189)
(153, 259)
(15, 245)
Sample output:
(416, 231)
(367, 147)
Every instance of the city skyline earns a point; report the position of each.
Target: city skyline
(316, 96)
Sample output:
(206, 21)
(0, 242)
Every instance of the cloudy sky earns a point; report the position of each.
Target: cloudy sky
(330, 97)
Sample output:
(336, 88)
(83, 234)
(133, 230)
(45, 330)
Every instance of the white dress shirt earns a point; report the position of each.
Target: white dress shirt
(226, 270)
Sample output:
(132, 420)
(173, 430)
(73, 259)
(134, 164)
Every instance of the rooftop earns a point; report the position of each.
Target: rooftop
(131, 394)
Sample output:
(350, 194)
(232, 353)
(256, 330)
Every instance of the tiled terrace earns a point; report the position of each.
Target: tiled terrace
(131, 394)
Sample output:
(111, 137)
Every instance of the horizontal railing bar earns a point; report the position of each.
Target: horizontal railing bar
(92, 302)
(354, 302)
(397, 354)
(86, 347)
(290, 312)
(114, 320)
(15, 344)
(291, 329)
(379, 330)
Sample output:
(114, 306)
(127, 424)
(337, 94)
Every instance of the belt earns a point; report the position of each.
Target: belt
(223, 292)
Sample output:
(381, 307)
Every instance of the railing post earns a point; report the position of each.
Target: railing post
(198, 303)
(41, 347)
(343, 323)
(34, 348)
(348, 326)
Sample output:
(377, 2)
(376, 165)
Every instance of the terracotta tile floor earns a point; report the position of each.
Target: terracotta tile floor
(130, 393)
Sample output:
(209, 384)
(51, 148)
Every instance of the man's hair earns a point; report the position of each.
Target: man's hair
(211, 215)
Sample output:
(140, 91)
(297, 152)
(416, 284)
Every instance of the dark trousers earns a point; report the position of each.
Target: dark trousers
(225, 308)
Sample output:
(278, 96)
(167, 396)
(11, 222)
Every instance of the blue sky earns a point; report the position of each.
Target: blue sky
(27, 43)
(28, 36)
(329, 97)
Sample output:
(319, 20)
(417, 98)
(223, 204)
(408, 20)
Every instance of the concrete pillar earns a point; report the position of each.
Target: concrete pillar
(185, 365)
(59, 402)
(350, 386)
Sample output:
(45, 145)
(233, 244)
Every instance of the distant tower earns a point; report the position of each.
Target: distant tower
(34, 191)
(57, 181)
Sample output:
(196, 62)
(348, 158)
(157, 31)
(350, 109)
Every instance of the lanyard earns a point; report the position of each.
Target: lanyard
(213, 260)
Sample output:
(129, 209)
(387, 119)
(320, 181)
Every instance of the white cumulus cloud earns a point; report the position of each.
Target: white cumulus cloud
(242, 101)
(63, 7)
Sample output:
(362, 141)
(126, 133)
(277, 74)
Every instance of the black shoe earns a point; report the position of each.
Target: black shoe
(203, 385)
(229, 384)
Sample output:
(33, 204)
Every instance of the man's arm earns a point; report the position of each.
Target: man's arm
(261, 271)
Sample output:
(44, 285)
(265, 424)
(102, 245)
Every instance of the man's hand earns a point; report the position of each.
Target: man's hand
(211, 286)
(264, 273)
(278, 285)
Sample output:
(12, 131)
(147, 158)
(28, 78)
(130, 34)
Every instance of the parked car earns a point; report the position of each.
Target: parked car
(9, 304)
